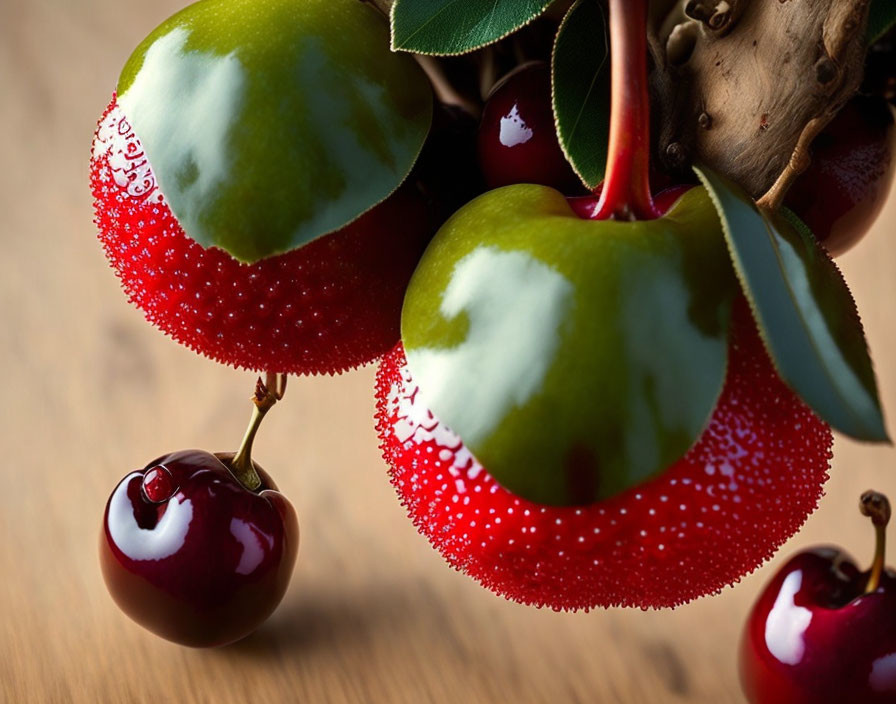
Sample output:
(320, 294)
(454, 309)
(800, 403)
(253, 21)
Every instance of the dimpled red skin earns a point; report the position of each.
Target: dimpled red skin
(330, 306)
(746, 486)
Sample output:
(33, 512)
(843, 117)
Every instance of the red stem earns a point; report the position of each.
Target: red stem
(626, 189)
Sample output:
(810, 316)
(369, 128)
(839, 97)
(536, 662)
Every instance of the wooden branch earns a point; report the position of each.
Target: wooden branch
(445, 90)
(748, 98)
(839, 32)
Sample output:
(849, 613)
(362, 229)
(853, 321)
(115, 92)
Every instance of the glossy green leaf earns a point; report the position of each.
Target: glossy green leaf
(805, 311)
(269, 123)
(458, 26)
(575, 358)
(881, 17)
(581, 87)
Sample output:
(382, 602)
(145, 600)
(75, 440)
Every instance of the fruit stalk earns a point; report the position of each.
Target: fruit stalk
(445, 90)
(267, 393)
(877, 507)
(626, 189)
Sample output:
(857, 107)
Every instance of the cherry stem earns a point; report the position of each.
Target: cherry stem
(267, 393)
(877, 507)
(626, 189)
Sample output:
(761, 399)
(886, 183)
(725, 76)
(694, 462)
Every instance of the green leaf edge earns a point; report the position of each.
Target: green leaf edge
(883, 436)
(723, 377)
(394, 46)
(347, 223)
(560, 138)
(120, 88)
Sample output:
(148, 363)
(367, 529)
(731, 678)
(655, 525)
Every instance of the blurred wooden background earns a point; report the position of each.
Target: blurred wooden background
(90, 391)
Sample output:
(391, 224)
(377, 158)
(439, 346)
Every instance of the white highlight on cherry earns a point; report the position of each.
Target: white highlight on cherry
(138, 543)
(787, 622)
(253, 550)
(513, 130)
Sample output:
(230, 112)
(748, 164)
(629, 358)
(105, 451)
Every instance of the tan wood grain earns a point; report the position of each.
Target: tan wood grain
(89, 391)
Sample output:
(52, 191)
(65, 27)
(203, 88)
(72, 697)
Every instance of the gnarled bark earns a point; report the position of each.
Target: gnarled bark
(743, 86)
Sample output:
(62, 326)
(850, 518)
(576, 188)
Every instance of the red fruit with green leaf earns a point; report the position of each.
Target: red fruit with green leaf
(578, 417)
(245, 183)
(707, 520)
(618, 399)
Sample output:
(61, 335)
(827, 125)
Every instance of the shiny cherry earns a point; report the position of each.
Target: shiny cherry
(194, 556)
(517, 140)
(847, 183)
(823, 632)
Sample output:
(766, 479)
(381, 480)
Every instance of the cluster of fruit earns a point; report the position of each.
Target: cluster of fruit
(585, 399)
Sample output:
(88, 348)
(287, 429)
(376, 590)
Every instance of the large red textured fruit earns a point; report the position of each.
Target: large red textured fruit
(746, 486)
(329, 306)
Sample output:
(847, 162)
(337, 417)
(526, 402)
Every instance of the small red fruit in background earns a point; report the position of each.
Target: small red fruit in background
(822, 631)
(517, 136)
(739, 493)
(329, 306)
(847, 183)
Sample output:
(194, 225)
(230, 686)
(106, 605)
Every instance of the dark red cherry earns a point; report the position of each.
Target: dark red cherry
(517, 138)
(853, 161)
(191, 554)
(821, 633)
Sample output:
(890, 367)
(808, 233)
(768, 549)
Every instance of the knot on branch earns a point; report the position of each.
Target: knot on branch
(770, 74)
(716, 15)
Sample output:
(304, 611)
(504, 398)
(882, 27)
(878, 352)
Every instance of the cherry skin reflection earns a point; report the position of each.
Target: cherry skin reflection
(517, 140)
(822, 632)
(191, 554)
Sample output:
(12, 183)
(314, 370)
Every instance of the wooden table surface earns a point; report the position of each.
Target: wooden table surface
(90, 391)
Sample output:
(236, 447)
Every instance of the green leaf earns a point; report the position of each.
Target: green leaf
(581, 88)
(881, 17)
(805, 311)
(269, 124)
(448, 27)
(576, 358)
